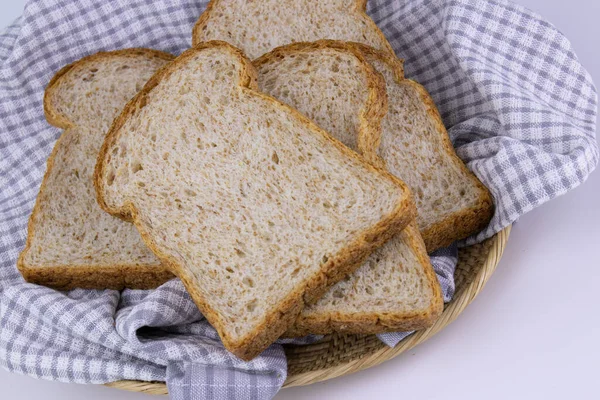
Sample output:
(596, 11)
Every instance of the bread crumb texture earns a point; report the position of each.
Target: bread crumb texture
(248, 201)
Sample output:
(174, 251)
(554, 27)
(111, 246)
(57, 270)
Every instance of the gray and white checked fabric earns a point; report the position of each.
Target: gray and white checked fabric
(520, 109)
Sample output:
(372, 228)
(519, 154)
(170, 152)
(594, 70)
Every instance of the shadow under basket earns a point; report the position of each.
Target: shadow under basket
(339, 354)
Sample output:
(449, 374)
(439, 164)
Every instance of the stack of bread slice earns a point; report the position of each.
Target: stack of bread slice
(297, 193)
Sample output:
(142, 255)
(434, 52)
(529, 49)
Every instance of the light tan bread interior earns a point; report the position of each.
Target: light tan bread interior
(256, 208)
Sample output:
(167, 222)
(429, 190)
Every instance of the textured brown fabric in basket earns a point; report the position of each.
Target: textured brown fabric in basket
(339, 354)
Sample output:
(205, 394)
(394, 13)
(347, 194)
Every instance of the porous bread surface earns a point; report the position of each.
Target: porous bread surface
(259, 26)
(451, 202)
(249, 202)
(92, 91)
(331, 83)
(71, 241)
(395, 289)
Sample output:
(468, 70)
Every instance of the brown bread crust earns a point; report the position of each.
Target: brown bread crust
(83, 276)
(284, 314)
(116, 277)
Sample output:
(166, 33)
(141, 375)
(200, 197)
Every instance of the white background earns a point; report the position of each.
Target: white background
(533, 333)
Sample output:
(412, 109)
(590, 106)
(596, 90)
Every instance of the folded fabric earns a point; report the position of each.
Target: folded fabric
(518, 105)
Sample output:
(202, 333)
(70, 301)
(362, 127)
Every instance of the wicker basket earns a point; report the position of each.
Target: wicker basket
(338, 355)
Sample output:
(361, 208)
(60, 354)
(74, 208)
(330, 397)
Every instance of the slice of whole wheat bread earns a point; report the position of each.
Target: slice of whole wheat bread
(71, 242)
(259, 26)
(395, 288)
(250, 203)
(452, 203)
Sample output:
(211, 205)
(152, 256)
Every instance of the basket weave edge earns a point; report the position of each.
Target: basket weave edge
(450, 314)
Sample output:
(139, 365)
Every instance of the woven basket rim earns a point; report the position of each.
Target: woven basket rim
(451, 312)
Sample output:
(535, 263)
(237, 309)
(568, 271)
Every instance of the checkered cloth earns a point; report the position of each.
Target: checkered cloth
(520, 110)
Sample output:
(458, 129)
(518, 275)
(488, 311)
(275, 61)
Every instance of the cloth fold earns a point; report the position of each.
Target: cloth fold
(519, 107)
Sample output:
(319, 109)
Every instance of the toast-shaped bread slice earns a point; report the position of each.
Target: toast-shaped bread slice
(72, 242)
(251, 204)
(258, 26)
(395, 289)
(452, 203)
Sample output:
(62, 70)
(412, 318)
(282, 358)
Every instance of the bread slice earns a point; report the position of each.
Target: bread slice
(258, 26)
(395, 288)
(71, 242)
(252, 205)
(452, 203)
